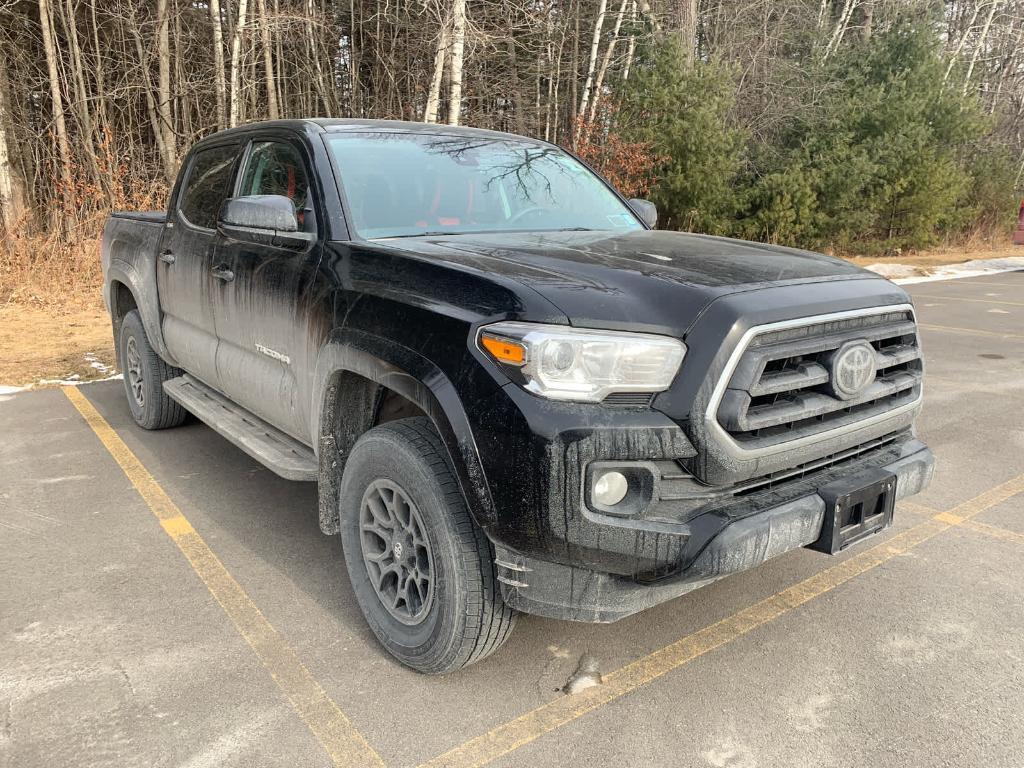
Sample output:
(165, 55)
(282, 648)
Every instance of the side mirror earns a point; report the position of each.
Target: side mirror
(263, 220)
(646, 210)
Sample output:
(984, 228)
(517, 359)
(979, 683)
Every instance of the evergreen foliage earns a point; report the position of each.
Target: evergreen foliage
(890, 157)
(683, 114)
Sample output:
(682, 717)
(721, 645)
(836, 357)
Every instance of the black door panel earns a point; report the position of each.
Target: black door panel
(188, 291)
(261, 323)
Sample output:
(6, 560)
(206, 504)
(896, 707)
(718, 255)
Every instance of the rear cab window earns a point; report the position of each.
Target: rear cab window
(207, 185)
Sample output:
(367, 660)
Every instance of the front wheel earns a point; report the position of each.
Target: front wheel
(422, 571)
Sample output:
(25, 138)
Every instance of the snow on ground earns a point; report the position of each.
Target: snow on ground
(905, 273)
(74, 379)
(7, 392)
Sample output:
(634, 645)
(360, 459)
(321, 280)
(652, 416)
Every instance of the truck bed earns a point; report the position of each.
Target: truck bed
(149, 217)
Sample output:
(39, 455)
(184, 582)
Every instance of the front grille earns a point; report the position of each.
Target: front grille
(783, 386)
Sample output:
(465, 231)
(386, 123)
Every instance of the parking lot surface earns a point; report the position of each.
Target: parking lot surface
(166, 601)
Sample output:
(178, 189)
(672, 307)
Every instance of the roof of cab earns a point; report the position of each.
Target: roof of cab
(343, 125)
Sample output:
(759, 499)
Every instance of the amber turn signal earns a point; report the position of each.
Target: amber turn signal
(503, 350)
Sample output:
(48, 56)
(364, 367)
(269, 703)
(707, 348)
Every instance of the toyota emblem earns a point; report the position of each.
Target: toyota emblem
(853, 369)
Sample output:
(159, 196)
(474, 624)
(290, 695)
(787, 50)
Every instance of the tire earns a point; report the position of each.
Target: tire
(453, 614)
(144, 376)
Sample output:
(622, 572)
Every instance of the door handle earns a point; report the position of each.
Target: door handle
(221, 272)
(167, 257)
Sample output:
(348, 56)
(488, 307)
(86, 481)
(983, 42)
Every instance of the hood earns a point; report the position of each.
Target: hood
(641, 280)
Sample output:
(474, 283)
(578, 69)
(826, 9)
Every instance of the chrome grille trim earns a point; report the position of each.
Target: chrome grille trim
(799, 332)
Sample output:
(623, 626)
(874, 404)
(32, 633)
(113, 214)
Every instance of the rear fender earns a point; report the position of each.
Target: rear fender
(130, 259)
(146, 301)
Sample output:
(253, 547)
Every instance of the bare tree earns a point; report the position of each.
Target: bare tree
(440, 55)
(219, 90)
(458, 50)
(595, 44)
(235, 97)
(56, 100)
(163, 106)
(10, 197)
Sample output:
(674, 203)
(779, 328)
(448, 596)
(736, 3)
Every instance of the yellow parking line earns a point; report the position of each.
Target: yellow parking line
(506, 738)
(322, 716)
(988, 499)
(972, 331)
(967, 298)
(994, 531)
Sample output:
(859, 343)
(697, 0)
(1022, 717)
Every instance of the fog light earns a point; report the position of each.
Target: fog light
(610, 489)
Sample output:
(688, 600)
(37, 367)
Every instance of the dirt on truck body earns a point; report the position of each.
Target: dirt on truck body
(514, 393)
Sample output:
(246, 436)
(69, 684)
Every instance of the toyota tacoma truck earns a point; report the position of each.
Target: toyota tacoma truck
(514, 393)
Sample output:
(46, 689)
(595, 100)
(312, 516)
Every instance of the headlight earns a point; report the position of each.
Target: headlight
(564, 363)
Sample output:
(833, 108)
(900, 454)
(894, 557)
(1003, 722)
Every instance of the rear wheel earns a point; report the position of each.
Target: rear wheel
(144, 376)
(422, 571)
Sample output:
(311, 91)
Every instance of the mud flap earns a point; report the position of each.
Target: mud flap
(856, 507)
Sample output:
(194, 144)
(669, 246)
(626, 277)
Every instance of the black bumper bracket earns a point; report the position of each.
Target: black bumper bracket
(856, 507)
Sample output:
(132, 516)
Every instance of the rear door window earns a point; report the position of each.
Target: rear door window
(207, 186)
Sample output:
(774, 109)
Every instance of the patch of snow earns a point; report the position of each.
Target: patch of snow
(7, 391)
(893, 271)
(74, 380)
(99, 365)
(906, 274)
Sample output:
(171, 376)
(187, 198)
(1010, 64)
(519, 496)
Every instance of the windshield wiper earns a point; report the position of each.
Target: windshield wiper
(421, 234)
(443, 233)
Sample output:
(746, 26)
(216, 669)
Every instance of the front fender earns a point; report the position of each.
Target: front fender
(415, 378)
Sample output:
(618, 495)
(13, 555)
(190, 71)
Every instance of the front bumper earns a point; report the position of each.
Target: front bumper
(741, 534)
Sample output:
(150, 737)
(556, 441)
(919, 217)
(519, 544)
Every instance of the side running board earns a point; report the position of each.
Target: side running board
(279, 452)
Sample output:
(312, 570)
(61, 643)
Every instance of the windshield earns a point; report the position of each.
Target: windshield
(403, 185)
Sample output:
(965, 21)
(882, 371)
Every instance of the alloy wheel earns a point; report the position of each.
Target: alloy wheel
(396, 551)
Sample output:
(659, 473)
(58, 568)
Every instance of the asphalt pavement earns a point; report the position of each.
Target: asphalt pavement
(124, 642)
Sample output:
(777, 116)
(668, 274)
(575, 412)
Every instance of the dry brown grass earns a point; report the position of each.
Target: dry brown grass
(51, 310)
(956, 253)
(54, 342)
(51, 307)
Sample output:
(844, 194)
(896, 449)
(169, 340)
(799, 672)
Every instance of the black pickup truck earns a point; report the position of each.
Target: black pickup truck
(514, 394)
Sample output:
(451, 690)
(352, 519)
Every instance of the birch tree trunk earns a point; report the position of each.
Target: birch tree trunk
(56, 100)
(235, 96)
(631, 51)
(10, 191)
(220, 92)
(840, 30)
(273, 112)
(440, 55)
(281, 67)
(606, 61)
(981, 44)
(592, 63)
(960, 46)
(458, 48)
